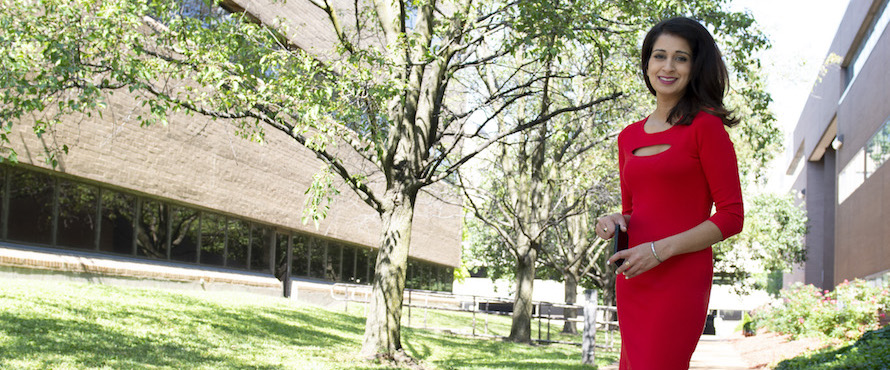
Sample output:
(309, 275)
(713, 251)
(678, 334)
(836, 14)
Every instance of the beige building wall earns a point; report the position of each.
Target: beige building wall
(203, 163)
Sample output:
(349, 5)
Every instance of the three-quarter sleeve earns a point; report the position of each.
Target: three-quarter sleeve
(721, 170)
(626, 196)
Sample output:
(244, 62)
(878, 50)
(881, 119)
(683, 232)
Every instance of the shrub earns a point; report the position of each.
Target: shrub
(870, 352)
(748, 326)
(843, 314)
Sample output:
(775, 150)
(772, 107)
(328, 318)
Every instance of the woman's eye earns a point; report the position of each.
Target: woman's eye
(658, 56)
(682, 59)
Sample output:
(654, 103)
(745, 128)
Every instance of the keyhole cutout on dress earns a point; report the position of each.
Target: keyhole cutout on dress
(651, 150)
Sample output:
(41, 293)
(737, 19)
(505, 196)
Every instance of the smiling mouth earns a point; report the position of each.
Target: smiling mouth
(667, 80)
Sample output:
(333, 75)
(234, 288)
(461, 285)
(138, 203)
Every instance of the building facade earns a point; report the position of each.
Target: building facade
(194, 194)
(840, 147)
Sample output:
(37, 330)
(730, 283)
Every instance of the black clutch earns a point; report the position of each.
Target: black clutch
(619, 243)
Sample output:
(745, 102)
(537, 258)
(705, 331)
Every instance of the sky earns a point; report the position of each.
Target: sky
(801, 32)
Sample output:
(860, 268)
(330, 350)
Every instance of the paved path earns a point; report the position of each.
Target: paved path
(712, 353)
(716, 353)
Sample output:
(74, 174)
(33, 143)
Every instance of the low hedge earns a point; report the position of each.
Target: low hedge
(870, 352)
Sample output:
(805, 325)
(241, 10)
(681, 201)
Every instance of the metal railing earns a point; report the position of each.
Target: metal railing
(480, 309)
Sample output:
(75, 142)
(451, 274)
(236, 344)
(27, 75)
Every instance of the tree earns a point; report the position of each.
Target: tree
(538, 186)
(530, 181)
(399, 93)
(573, 250)
(772, 241)
(772, 237)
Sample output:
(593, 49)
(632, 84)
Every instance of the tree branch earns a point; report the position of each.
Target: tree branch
(518, 128)
(365, 193)
(335, 22)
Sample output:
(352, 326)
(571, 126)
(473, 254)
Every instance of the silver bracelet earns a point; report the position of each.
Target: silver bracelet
(652, 245)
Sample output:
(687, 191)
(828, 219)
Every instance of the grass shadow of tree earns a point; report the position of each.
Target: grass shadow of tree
(168, 330)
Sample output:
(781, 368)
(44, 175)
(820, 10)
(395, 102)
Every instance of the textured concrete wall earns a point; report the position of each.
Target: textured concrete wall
(822, 104)
(203, 163)
(307, 26)
(863, 233)
(862, 243)
(851, 239)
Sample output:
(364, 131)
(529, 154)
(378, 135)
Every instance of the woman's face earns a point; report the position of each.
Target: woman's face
(670, 66)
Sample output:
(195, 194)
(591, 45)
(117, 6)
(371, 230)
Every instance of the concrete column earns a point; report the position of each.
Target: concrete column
(821, 203)
(830, 181)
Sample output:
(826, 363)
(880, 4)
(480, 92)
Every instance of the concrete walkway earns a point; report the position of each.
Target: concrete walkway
(712, 353)
(716, 353)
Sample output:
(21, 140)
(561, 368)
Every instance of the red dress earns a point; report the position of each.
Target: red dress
(662, 311)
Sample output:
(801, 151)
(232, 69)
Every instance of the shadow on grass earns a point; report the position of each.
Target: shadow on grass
(88, 326)
(470, 353)
(170, 331)
(92, 345)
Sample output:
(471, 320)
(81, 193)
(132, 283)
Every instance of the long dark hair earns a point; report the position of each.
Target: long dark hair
(709, 79)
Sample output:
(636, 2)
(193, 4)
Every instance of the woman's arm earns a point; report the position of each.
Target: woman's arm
(605, 226)
(640, 259)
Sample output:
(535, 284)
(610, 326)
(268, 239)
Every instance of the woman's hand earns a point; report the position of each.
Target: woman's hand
(605, 226)
(637, 260)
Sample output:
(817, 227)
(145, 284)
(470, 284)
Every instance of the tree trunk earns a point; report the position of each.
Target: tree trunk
(382, 328)
(609, 298)
(571, 295)
(520, 331)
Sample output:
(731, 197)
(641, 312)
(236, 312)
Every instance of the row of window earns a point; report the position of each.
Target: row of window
(42, 209)
(866, 46)
(866, 161)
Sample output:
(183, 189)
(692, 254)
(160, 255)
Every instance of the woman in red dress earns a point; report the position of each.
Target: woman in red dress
(675, 165)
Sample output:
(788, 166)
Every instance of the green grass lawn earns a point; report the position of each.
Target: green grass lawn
(61, 325)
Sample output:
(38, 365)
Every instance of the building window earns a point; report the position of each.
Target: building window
(43, 209)
(300, 264)
(237, 243)
(866, 161)
(31, 199)
(4, 204)
(877, 151)
(347, 273)
(117, 229)
(364, 262)
(184, 232)
(213, 239)
(78, 215)
(280, 253)
(152, 230)
(335, 262)
(868, 43)
(262, 248)
(317, 258)
(448, 275)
